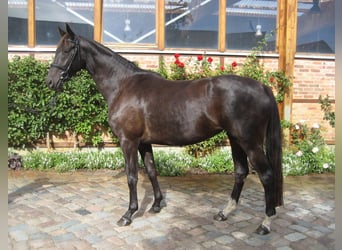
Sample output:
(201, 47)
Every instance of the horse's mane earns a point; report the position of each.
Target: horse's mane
(123, 61)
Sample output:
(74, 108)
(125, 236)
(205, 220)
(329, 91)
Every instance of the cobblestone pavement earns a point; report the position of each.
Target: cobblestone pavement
(79, 211)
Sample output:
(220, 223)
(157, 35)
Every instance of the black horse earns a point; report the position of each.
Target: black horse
(144, 108)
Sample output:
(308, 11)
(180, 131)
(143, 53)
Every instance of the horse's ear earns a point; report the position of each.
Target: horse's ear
(61, 32)
(69, 31)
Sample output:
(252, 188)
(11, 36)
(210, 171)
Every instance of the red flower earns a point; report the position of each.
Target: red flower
(176, 55)
(271, 79)
(210, 60)
(234, 64)
(222, 68)
(179, 63)
(199, 57)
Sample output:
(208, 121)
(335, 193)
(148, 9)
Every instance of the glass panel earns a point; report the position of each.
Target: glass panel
(191, 24)
(316, 26)
(129, 21)
(51, 14)
(17, 22)
(249, 21)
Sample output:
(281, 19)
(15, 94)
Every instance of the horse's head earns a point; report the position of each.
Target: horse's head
(67, 59)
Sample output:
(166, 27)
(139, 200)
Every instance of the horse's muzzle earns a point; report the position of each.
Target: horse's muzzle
(54, 85)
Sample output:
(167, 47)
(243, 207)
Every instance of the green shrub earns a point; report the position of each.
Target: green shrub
(326, 107)
(70, 161)
(172, 163)
(34, 110)
(178, 163)
(219, 161)
(208, 146)
(29, 112)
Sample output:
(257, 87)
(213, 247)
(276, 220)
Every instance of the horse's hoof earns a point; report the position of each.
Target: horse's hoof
(262, 230)
(220, 216)
(156, 209)
(124, 222)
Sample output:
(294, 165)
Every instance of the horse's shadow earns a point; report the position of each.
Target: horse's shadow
(148, 199)
(221, 193)
(35, 186)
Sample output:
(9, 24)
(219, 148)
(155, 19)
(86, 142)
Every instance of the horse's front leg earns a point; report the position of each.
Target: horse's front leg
(147, 156)
(130, 151)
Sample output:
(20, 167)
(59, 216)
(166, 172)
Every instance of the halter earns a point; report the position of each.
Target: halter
(65, 76)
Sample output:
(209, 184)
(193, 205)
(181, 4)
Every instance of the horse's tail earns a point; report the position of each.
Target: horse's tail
(274, 149)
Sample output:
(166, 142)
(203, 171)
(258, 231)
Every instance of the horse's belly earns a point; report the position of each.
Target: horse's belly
(178, 136)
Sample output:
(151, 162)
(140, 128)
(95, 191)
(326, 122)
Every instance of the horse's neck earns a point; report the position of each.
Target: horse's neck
(106, 68)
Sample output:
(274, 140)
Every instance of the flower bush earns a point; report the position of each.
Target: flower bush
(308, 153)
(202, 66)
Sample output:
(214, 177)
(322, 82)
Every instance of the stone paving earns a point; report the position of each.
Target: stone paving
(79, 210)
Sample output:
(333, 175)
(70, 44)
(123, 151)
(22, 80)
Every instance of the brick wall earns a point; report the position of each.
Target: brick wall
(312, 77)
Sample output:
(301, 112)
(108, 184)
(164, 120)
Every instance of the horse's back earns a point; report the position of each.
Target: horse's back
(243, 94)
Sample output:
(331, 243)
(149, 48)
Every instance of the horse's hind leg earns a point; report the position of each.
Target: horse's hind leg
(147, 156)
(260, 163)
(241, 171)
